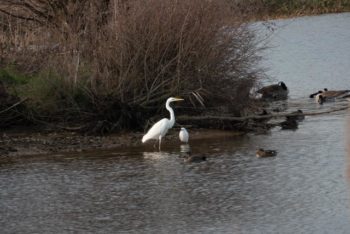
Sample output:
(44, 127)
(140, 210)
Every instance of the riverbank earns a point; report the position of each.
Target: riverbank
(281, 9)
(31, 141)
(304, 189)
(26, 142)
(67, 74)
(78, 91)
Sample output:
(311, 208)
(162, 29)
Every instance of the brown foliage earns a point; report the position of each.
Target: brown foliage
(139, 52)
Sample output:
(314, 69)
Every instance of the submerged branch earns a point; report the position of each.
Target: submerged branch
(230, 118)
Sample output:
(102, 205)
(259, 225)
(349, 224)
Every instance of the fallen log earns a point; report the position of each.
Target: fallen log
(244, 118)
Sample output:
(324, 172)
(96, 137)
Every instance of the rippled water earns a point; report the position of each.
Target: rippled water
(305, 189)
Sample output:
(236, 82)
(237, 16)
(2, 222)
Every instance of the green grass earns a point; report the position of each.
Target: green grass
(10, 76)
(48, 94)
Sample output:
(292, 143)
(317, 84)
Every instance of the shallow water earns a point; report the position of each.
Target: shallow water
(305, 189)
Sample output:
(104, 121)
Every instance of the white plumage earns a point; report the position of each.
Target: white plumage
(160, 129)
(183, 135)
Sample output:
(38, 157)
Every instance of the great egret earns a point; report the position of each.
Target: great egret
(183, 135)
(160, 129)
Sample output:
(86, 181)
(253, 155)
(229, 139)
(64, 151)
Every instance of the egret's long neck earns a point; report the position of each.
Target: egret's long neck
(172, 115)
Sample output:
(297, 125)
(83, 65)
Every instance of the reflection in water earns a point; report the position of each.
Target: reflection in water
(185, 151)
(303, 190)
(185, 148)
(155, 155)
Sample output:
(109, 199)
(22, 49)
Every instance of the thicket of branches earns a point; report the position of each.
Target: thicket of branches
(118, 61)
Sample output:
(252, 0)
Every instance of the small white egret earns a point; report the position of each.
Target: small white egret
(160, 129)
(183, 135)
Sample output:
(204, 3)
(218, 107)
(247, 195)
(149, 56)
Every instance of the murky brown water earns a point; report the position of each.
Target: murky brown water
(305, 189)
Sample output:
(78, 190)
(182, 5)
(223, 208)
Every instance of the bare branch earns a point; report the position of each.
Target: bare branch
(20, 16)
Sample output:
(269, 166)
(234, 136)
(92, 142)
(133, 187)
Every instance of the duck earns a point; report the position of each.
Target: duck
(195, 159)
(274, 92)
(331, 95)
(289, 124)
(261, 153)
(296, 115)
(318, 92)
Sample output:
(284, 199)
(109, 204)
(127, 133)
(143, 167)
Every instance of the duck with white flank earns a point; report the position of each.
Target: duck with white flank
(318, 92)
(331, 95)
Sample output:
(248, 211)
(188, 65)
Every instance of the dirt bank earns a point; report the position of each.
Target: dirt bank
(29, 142)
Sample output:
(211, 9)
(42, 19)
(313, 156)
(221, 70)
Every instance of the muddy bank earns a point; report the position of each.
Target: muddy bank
(35, 143)
(38, 143)
(31, 141)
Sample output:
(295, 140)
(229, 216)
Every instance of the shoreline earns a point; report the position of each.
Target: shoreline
(29, 143)
(270, 17)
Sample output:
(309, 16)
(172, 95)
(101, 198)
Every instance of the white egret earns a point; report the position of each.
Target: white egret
(183, 135)
(160, 129)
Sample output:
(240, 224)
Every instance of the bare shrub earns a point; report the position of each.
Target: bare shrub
(135, 53)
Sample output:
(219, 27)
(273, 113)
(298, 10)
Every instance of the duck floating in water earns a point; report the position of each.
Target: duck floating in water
(318, 92)
(290, 124)
(332, 95)
(296, 115)
(195, 159)
(261, 153)
(274, 92)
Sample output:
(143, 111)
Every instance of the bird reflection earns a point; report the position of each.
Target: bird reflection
(185, 148)
(186, 154)
(155, 155)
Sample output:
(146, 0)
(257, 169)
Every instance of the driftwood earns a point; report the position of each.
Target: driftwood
(244, 118)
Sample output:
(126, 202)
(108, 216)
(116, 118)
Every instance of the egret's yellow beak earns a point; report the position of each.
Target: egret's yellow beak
(179, 99)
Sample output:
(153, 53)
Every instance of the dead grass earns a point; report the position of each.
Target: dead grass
(117, 61)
